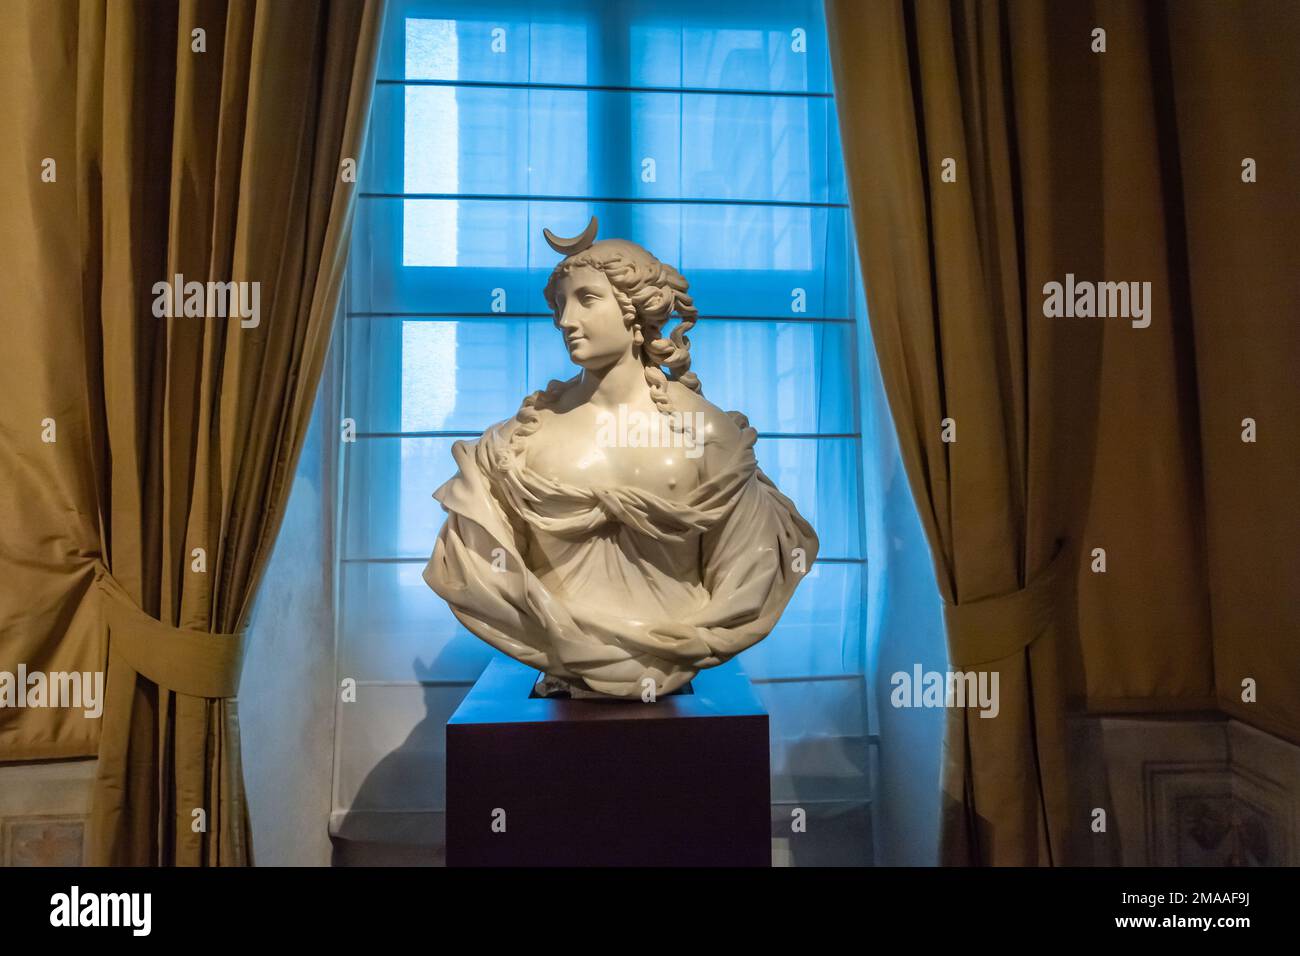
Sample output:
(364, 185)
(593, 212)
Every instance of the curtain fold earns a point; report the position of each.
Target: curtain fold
(203, 141)
(989, 150)
(1236, 100)
(992, 148)
(922, 88)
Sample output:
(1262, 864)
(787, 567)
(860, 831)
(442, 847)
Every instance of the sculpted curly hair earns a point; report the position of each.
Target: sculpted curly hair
(648, 292)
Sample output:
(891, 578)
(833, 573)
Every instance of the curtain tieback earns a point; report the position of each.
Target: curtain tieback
(196, 663)
(991, 628)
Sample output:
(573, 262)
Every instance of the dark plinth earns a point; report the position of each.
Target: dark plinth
(680, 782)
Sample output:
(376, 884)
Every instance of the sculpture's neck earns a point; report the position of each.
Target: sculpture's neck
(619, 384)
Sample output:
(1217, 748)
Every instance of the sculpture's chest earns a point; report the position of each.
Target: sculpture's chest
(587, 450)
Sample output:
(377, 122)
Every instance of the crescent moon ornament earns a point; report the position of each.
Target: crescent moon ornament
(569, 247)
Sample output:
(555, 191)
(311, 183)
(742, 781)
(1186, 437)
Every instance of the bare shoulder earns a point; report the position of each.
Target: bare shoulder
(716, 429)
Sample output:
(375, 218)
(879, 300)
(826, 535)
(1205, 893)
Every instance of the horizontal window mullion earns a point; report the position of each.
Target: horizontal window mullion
(411, 560)
(420, 434)
(604, 88)
(472, 434)
(423, 559)
(649, 200)
(450, 682)
(807, 678)
(810, 435)
(499, 316)
(864, 801)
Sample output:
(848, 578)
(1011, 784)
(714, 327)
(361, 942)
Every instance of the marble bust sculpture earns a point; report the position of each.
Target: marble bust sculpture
(617, 530)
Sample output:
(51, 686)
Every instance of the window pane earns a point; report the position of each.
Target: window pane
(785, 376)
(818, 633)
(820, 475)
(817, 732)
(439, 374)
(752, 45)
(392, 631)
(762, 261)
(391, 511)
(548, 142)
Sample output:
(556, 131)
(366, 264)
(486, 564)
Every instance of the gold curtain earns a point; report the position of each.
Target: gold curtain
(991, 148)
(1238, 99)
(205, 140)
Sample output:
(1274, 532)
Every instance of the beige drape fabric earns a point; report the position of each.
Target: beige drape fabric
(944, 267)
(1238, 98)
(175, 434)
(49, 533)
(1079, 433)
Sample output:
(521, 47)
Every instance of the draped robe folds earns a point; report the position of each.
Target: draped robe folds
(632, 585)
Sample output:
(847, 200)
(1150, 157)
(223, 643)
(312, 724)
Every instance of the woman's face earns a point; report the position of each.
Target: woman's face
(590, 318)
